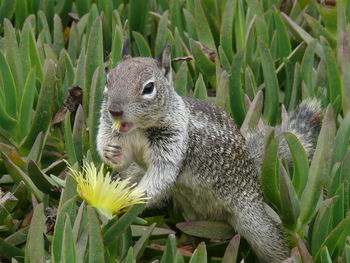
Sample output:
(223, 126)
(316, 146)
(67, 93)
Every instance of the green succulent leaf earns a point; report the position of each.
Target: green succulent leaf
(169, 255)
(142, 45)
(96, 247)
(44, 108)
(207, 229)
(200, 254)
(269, 173)
(231, 251)
(300, 163)
(68, 245)
(271, 84)
(35, 244)
(118, 226)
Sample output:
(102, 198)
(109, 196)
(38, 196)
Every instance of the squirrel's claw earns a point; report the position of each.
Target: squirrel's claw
(113, 153)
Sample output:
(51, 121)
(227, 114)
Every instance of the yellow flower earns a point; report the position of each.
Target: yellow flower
(116, 125)
(107, 195)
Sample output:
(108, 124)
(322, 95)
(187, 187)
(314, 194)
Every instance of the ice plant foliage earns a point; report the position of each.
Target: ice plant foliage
(109, 196)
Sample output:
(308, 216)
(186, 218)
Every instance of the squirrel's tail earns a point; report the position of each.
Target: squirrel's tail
(304, 123)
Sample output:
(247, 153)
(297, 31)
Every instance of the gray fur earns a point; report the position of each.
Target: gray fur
(189, 150)
(304, 123)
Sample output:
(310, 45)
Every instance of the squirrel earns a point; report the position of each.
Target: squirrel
(191, 151)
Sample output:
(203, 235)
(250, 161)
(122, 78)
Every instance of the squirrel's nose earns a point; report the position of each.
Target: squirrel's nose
(116, 114)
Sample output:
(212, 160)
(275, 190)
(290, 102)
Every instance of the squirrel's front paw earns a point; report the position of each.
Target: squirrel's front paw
(113, 153)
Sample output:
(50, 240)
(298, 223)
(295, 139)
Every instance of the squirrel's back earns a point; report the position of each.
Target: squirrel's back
(216, 156)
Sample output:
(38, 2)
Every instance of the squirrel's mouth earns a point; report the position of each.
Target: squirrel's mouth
(125, 127)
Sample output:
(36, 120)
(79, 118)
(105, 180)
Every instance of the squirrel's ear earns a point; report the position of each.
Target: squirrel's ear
(126, 49)
(165, 60)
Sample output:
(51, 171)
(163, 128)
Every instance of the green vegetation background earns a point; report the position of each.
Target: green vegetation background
(256, 59)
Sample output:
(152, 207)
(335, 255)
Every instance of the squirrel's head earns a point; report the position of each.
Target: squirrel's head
(138, 89)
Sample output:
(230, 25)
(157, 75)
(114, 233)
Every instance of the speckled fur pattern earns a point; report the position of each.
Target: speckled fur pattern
(187, 150)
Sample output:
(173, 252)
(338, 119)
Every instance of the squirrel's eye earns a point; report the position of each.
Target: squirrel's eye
(148, 88)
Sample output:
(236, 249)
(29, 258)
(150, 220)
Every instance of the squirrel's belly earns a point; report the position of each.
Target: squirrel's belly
(196, 201)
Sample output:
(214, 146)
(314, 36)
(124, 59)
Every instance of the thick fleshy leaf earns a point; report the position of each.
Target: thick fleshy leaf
(302, 33)
(231, 251)
(140, 230)
(202, 27)
(290, 207)
(8, 203)
(222, 98)
(41, 180)
(200, 254)
(137, 15)
(304, 253)
(73, 42)
(260, 24)
(235, 90)
(334, 78)
(240, 29)
(204, 64)
(18, 175)
(300, 163)
(118, 226)
(130, 256)
(96, 248)
(58, 40)
(207, 229)
(9, 88)
(335, 241)
(338, 208)
(8, 123)
(319, 30)
(68, 245)
(141, 243)
(325, 257)
(181, 80)
(69, 140)
(341, 140)
(19, 237)
(43, 113)
(37, 148)
(94, 59)
(142, 45)
(117, 46)
(271, 84)
(35, 57)
(284, 45)
(77, 134)
(9, 251)
(344, 61)
(170, 252)
(12, 51)
(227, 29)
(7, 9)
(253, 115)
(26, 107)
(96, 94)
(200, 91)
(35, 251)
(162, 34)
(321, 226)
(58, 236)
(269, 173)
